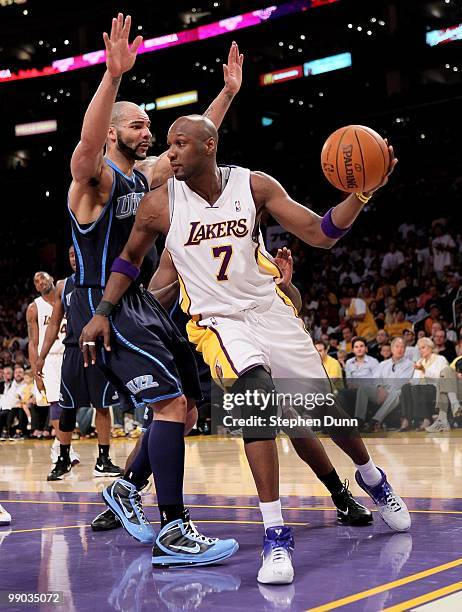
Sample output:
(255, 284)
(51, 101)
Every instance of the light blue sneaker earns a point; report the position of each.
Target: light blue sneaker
(125, 501)
(179, 543)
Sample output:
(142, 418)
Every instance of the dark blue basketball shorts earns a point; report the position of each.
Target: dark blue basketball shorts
(149, 361)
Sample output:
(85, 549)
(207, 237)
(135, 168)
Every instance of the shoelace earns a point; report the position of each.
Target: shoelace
(191, 530)
(136, 499)
(279, 554)
(389, 498)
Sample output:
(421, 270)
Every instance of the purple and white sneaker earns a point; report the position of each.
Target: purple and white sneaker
(278, 545)
(390, 506)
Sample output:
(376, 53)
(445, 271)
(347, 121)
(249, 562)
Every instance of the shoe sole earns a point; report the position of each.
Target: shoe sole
(280, 580)
(3, 523)
(115, 508)
(100, 528)
(97, 474)
(169, 561)
(355, 523)
(63, 477)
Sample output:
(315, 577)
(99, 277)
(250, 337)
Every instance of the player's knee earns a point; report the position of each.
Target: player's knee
(260, 406)
(191, 420)
(103, 412)
(174, 409)
(67, 419)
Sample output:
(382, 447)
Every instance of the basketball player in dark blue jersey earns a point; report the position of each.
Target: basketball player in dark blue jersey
(101, 393)
(149, 357)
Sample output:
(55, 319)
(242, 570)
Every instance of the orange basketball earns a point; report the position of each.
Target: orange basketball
(355, 158)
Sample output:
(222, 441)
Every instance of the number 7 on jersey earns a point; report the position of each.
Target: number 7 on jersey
(225, 251)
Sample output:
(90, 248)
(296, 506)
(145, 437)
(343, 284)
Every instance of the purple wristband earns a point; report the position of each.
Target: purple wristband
(329, 228)
(125, 267)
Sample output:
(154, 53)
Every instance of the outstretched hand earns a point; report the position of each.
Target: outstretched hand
(120, 56)
(391, 167)
(97, 327)
(232, 71)
(285, 263)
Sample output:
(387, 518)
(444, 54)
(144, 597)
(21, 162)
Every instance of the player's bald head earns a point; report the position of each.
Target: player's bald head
(123, 110)
(196, 127)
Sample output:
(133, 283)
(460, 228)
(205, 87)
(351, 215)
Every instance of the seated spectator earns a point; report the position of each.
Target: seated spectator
(332, 345)
(414, 314)
(385, 352)
(331, 365)
(357, 311)
(419, 398)
(397, 328)
(406, 288)
(391, 260)
(373, 348)
(323, 328)
(11, 401)
(365, 294)
(443, 346)
(342, 357)
(361, 366)
(458, 347)
(449, 394)
(412, 351)
(443, 248)
(434, 316)
(347, 335)
(385, 387)
(390, 312)
(5, 384)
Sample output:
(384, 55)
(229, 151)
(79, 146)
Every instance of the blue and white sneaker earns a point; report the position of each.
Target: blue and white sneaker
(125, 501)
(390, 506)
(278, 545)
(179, 543)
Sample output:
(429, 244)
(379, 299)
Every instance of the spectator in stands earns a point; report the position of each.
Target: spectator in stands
(414, 314)
(424, 257)
(357, 312)
(443, 249)
(391, 260)
(397, 328)
(345, 344)
(443, 346)
(362, 365)
(323, 328)
(7, 381)
(331, 365)
(449, 394)
(385, 352)
(385, 388)
(419, 399)
(434, 316)
(374, 347)
(458, 347)
(11, 401)
(411, 352)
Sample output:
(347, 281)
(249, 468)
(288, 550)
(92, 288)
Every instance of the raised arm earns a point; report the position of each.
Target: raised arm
(87, 162)
(314, 230)
(151, 219)
(53, 327)
(159, 170)
(164, 284)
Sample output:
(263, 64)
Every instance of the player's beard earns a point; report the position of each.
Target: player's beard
(129, 151)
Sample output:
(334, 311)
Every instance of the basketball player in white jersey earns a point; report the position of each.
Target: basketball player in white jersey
(245, 329)
(57, 321)
(47, 385)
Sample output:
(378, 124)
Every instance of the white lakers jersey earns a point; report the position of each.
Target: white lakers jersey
(222, 265)
(44, 310)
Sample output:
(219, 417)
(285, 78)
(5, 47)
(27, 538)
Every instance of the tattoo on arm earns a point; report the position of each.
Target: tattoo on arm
(115, 81)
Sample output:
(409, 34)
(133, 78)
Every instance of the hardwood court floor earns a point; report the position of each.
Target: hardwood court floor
(50, 546)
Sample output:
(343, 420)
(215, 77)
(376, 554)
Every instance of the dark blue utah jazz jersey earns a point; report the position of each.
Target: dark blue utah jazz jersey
(98, 244)
(66, 294)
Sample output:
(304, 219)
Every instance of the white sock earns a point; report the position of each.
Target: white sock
(369, 473)
(272, 514)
